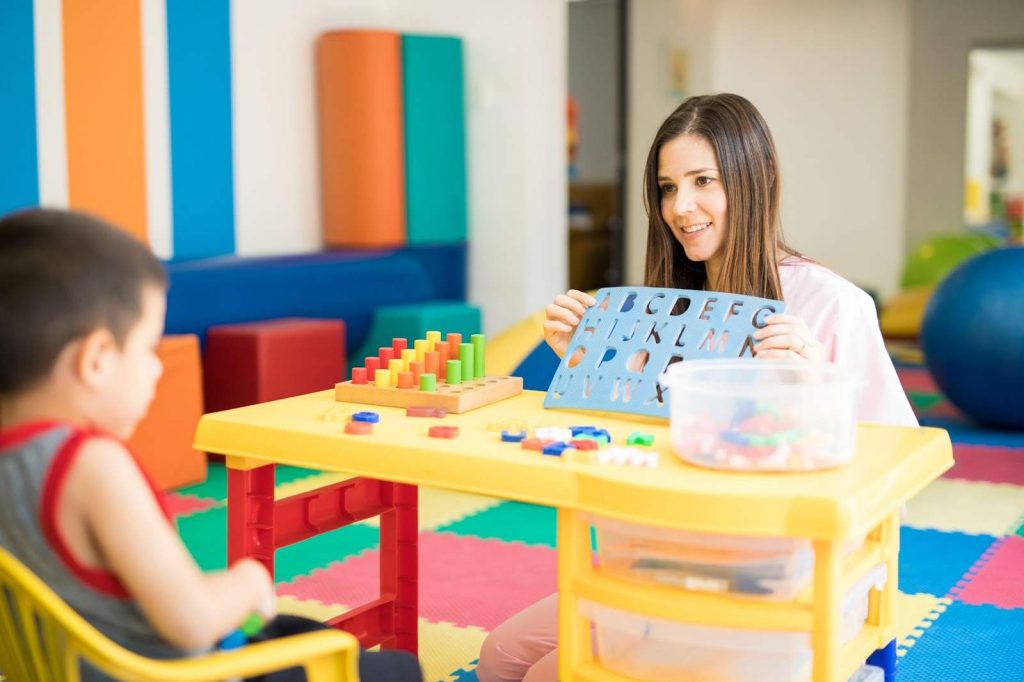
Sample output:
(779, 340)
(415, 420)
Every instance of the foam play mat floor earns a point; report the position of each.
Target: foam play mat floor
(483, 559)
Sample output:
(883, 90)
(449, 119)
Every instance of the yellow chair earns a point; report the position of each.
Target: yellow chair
(42, 639)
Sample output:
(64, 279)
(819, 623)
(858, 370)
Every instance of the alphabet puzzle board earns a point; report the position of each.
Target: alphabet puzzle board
(629, 325)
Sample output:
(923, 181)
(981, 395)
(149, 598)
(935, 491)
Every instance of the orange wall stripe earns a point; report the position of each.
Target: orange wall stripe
(103, 98)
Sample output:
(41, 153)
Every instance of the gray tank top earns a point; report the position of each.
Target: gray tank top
(33, 459)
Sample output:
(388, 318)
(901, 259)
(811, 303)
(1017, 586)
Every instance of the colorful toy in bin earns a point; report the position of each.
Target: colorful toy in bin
(236, 639)
(449, 376)
(762, 416)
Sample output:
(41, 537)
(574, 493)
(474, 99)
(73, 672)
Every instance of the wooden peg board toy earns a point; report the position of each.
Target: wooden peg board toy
(433, 373)
(652, 328)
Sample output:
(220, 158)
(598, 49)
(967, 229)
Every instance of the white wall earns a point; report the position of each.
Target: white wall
(515, 55)
(942, 33)
(656, 28)
(830, 78)
(593, 83)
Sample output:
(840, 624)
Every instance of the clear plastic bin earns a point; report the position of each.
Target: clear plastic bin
(769, 568)
(758, 567)
(667, 651)
(755, 415)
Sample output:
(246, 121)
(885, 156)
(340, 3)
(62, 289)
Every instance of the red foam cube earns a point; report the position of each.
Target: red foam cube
(245, 364)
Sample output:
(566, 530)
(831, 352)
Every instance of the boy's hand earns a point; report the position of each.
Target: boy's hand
(563, 316)
(786, 337)
(266, 601)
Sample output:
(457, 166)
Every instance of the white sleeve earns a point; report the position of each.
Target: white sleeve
(859, 347)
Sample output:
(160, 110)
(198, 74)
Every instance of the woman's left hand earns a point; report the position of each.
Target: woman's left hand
(786, 337)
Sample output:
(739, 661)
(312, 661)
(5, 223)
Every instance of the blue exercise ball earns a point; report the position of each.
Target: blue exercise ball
(973, 337)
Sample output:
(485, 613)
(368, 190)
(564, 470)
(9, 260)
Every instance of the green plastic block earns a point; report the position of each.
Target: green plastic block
(637, 438)
(414, 321)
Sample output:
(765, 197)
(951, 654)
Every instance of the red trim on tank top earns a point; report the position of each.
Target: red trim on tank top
(101, 580)
(16, 435)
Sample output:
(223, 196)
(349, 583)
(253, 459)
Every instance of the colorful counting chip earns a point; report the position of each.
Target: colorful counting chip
(443, 431)
(359, 428)
(637, 438)
(513, 437)
(368, 417)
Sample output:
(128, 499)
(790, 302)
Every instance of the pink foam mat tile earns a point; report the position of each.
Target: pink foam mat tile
(917, 379)
(997, 578)
(184, 505)
(987, 463)
(463, 580)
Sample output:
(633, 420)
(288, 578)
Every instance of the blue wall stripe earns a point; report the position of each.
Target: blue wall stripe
(435, 139)
(199, 83)
(19, 164)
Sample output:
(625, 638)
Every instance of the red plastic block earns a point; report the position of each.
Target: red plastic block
(250, 363)
(359, 428)
(398, 345)
(536, 443)
(584, 444)
(438, 412)
(444, 431)
(372, 364)
(358, 375)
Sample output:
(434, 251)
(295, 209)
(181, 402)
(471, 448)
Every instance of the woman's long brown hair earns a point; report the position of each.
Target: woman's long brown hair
(749, 170)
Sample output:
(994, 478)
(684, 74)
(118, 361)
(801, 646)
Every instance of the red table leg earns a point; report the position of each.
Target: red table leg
(251, 515)
(399, 566)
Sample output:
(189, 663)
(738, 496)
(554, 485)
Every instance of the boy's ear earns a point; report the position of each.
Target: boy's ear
(95, 357)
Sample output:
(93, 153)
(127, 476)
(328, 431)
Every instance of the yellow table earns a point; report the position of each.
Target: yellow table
(862, 498)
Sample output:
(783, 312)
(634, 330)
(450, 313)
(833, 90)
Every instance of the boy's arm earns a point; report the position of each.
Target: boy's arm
(190, 609)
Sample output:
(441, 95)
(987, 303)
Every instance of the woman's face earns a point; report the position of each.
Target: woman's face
(693, 199)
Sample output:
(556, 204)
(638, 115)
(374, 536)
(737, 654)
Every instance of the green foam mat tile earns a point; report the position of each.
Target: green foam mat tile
(510, 521)
(205, 536)
(923, 401)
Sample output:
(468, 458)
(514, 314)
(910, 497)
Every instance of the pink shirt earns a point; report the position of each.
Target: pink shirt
(843, 318)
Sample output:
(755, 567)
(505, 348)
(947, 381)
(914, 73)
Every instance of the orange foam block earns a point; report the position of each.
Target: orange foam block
(163, 439)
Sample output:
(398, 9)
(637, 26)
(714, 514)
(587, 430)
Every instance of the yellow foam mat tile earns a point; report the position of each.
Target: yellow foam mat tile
(308, 608)
(443, 648)
(304, 485)
(440, 507)
(446, 648)
(973, 507)
(916, 613)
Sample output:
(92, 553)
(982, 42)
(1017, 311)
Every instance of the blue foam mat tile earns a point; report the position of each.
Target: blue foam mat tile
(963, 431)
(967, 642)
(933, 562)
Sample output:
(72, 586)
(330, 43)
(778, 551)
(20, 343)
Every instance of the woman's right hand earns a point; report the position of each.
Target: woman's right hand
(563, 316)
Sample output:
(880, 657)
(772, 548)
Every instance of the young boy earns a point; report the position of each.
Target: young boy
(81, 313)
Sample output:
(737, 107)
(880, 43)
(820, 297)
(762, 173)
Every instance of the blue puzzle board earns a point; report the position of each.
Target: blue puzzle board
(669, 326)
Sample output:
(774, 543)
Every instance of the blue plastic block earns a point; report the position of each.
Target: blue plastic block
(885, 659)
(556, 448)
(508, 437)
(627, 340)
(577, 430)
(234, 640)
(370, 417)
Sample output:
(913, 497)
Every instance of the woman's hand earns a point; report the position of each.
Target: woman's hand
(786, 337)
(563, 316)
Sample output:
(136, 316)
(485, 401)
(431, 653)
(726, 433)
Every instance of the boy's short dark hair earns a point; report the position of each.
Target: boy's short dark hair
(63, 275)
